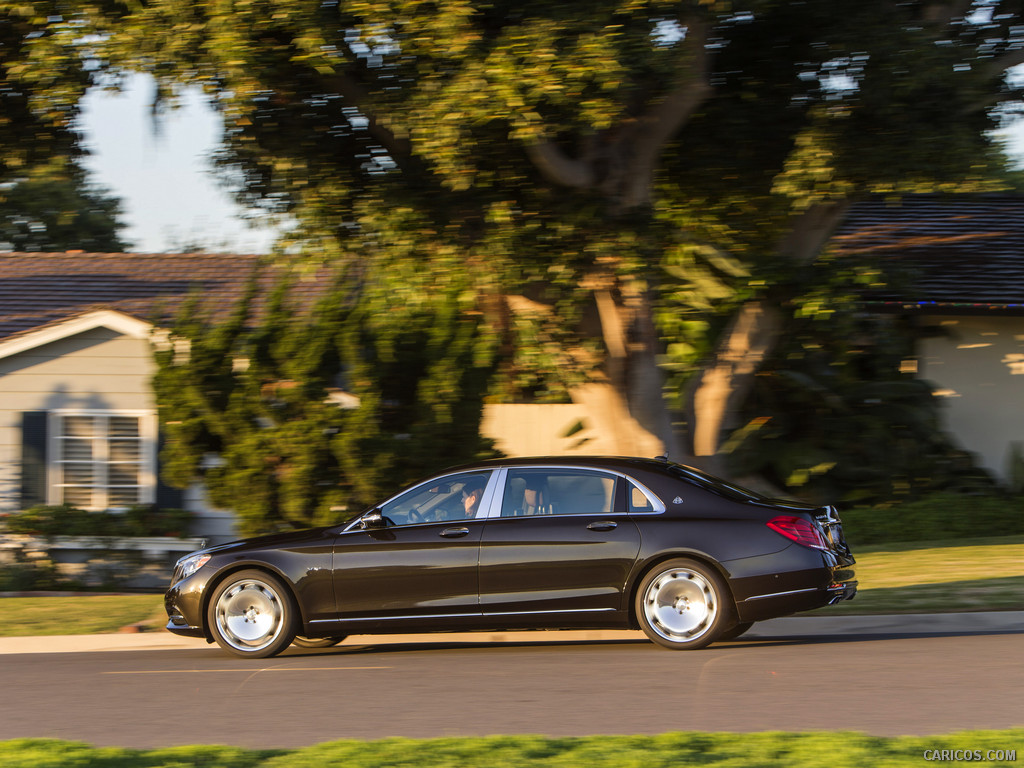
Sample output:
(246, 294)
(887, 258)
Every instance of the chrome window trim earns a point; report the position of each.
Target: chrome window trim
(485, 500)
(659, 506)
(491, 502)
(657, 503)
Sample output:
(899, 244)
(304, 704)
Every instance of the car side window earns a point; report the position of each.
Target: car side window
(449, 498)
(530, 492)
(638, 501)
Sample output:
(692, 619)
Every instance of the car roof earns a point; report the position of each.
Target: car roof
(621, 463)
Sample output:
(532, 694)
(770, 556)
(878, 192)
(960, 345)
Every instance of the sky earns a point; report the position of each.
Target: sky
(169, 196)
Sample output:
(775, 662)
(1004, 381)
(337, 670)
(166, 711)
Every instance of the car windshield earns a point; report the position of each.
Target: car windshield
(715, 484)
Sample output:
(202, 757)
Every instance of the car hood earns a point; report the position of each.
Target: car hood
(262, 542)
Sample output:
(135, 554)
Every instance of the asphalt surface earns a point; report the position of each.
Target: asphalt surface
(990, 622)
(882, 675)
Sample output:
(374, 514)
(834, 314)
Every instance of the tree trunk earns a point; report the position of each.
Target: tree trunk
(719, 390)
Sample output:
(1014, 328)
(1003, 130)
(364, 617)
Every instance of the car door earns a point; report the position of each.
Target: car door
(566, 549)
(423, 564)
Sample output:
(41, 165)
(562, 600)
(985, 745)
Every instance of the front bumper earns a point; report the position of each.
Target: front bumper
(184, 605)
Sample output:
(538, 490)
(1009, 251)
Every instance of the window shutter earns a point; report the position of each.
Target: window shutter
(167, 497)
(33, 458)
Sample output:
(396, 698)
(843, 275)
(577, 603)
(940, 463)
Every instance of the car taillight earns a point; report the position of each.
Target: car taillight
(799, 530)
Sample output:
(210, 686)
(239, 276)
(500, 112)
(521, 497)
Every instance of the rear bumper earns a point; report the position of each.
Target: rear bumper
(773, 605)
(796, 579)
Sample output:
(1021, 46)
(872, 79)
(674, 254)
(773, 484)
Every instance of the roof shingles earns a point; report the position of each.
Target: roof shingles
(963, 253)
(37, 289)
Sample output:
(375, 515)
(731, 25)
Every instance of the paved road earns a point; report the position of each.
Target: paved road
(881, 682)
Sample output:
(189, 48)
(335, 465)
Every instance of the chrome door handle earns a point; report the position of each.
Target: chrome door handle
(603, 525)
(454, 533)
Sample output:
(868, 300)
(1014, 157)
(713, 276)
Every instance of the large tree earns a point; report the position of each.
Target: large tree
(47, 63)
(261, 392)
(597, 165)
(56, 208)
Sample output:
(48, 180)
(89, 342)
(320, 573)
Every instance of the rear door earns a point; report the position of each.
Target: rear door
(559, 544)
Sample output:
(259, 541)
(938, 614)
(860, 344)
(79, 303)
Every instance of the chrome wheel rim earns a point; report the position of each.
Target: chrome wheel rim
(680, 605)
(250, 615)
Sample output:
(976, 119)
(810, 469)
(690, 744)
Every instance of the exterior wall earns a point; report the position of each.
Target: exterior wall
(978, 368)
(96, 370)
(596, 423)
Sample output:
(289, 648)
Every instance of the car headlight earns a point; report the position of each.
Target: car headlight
(190, 564)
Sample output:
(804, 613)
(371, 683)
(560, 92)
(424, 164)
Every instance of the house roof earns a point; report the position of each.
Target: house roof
(39, 290)
(961, 253)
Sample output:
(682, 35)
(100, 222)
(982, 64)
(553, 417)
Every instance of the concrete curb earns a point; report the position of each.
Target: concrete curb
(991, 622)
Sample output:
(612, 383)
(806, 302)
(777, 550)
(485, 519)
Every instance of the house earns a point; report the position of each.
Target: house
(956, 265)
(78, 420)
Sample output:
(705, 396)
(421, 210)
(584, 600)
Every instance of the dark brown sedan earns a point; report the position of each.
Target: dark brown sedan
(531, 543)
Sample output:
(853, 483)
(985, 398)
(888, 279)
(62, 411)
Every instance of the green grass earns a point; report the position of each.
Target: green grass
(79, 614)
(670, 750)
(933, 577)
(938, 577)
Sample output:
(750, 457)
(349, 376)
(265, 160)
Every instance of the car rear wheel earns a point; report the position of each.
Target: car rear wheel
(317, 642)
(736, 630)
(252, 615)
(683, 604)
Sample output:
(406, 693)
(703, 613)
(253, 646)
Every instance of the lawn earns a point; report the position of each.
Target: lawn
(935, 577)
(670, 750)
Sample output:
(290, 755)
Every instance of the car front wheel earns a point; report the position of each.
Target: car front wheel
(683, 604)
(252, 615)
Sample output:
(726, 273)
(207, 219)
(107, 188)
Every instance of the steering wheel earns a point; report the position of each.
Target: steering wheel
(415, 516)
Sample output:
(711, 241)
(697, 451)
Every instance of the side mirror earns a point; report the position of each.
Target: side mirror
(374, 519)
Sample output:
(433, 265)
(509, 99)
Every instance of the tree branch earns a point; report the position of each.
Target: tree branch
(558, 168)
(811, 229)
(943, 14)
(352, 92)
(664, 119)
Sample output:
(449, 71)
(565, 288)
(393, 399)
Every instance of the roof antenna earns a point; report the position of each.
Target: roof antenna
(663, 457)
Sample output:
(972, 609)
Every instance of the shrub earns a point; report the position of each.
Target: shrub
(938, 517)
(63, 520)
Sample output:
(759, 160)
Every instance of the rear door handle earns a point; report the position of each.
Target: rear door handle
(603, 525)
(454, 533)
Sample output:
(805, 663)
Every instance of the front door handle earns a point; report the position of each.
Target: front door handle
(454, 533)
(603, 525)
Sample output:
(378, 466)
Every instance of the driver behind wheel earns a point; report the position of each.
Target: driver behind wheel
(472, 492)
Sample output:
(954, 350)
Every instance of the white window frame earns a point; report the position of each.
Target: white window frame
(100, 494)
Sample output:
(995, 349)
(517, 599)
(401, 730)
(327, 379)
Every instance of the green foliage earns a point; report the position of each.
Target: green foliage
(669, 750)
(650, 152)
(55, 209)
(937, 517)
(29, 576)
(64, 520)
(249, 409)
(47, 63)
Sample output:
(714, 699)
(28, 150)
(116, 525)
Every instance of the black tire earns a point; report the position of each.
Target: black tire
(683, 605)
(317, 642)
(252, 615)
(735, 631)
